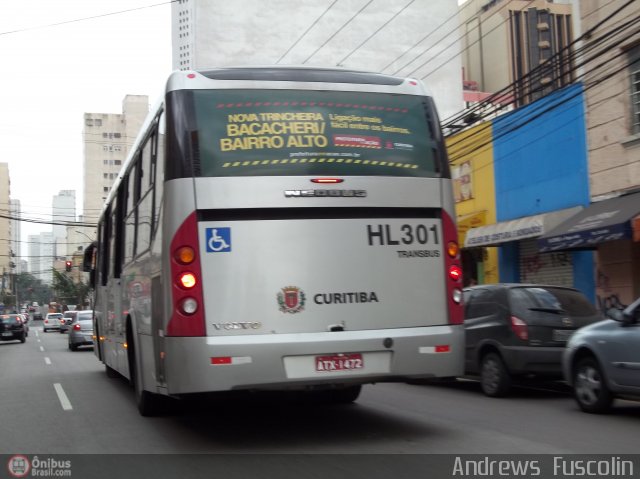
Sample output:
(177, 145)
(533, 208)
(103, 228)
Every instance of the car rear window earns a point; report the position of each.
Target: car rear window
(55, 315)
(9, 319)
(84, 317)
(563, 300)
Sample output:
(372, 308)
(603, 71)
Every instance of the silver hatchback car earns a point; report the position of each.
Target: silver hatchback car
(52, 321)
(602, 360)
(81, 330)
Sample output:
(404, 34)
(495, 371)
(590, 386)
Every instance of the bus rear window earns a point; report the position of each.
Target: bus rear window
(293, 132)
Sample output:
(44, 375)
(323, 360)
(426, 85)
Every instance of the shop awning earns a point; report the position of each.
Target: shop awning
(518, 229)
(606, 220)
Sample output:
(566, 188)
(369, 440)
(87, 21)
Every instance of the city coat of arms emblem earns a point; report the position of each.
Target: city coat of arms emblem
(291, 299)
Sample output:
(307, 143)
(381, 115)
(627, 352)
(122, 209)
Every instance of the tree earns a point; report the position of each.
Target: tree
(32, 289)
(66, 291)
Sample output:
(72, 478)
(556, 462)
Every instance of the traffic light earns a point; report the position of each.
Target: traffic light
(67, 266)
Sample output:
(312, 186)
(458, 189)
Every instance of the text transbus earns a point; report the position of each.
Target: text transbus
(280, 228)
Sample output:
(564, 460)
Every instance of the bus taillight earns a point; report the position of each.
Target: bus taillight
(453, 270)
(185, 255)
(452, 249)
(187, 280)
(187, 318)
(189, 306)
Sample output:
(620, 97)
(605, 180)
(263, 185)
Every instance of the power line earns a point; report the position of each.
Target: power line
(538, 70)
(306, 31)
(529, 118)
(464, 49)
(470, 146)
(86, 18)
(338, 31)
(425, 37)
(65, 223)
(340, 63)
(605, 48)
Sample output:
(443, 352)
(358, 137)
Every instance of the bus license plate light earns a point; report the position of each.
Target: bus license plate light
(339, 362)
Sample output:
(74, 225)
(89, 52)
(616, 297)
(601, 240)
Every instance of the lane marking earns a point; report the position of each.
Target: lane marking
(41, 348)
(64, 400)
(47, 360)
(37, 333)
(39, 341)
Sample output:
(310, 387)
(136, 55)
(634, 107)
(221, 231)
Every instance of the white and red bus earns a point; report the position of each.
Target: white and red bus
(280, 228)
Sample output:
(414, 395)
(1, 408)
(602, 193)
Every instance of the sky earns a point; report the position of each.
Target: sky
(50, 75)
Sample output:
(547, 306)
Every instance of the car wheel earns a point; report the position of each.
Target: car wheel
(23, 338)
(494, 377)
(73, 347)
(590, 387)
(111, 373)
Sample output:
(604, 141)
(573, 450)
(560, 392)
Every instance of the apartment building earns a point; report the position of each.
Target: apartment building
(107, 138)
(5, 225)
(504, 40)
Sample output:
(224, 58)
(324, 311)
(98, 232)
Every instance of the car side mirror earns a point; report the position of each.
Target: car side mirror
(631, 314)
(615, 313)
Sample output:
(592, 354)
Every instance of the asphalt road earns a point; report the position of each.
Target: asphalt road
(55, 401)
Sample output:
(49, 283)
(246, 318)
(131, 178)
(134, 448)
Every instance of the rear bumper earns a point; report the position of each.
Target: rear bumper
(79, 339)
(287, 361)
(534, 360)
(4, 336)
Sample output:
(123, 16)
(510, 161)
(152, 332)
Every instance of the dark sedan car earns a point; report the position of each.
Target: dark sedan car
(520, 330)
(12, 328)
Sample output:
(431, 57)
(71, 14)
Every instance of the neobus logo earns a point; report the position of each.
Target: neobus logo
(325, 193)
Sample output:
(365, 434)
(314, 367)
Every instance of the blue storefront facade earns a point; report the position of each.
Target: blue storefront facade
(541, 179)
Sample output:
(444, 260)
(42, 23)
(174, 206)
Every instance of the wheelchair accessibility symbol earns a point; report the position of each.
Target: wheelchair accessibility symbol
(218, 240)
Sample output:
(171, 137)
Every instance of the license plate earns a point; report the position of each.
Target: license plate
(562, 334)
(339, 362)
(7, 334)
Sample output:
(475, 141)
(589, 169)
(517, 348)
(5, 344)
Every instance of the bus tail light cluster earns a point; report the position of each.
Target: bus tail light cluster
(187, 318)
(453, 269)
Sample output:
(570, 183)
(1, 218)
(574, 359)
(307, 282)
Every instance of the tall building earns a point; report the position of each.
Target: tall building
(5, 226)
(504, 40)
(16, 244)
(41, 256)
(64, 211)
(107, 138)
(394, 37)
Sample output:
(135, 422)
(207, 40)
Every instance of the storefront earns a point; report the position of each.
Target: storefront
(520, 261)
(611, 228)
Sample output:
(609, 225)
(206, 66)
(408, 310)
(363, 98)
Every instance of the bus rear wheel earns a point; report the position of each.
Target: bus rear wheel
(149, 404)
